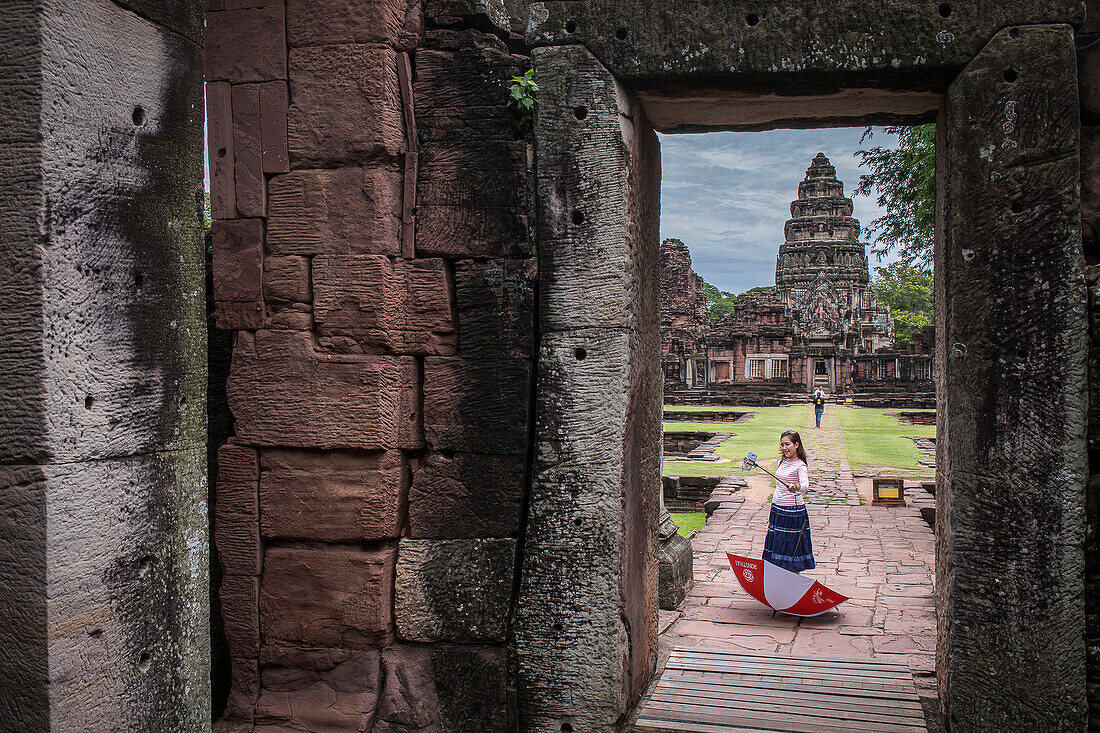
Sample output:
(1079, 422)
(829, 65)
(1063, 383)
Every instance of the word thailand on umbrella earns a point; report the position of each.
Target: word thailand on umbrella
(782, 590)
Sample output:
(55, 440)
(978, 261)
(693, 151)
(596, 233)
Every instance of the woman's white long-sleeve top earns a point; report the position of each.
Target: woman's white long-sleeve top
(792, 471)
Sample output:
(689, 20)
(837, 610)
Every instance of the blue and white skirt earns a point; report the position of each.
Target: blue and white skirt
(782, 546)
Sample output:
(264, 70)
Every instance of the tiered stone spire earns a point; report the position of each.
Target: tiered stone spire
(821, 237)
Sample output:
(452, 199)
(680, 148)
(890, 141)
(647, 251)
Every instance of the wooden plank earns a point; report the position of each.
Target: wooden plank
(711, 691)
(780, 670)
(660, 725)
(885, 668)
(847, 661)
(734, 682)
(786, 720)
(809, 698)
(826, 708)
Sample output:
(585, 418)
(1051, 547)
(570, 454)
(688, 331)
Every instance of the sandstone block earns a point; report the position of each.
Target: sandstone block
(219, 115)
(448, 685)
(283, 393)
(329, 598)
(343, 211)
(476, 406)
(248, 175)
(467, 495)
(286, 280)
(468, 231)
(234, 316)
(345, 105)
(490, 174)
(454, 590)
(274, 102)
(402, 306)
(245, 689)
(345, 21)
(236, 511)
(246, 45)
(238, 260)
(462, 93)
(496, 307)
(315, 690)
(240, 612)
(331, 497)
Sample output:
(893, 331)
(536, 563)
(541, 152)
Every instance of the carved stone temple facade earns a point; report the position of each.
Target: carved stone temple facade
(820, 327)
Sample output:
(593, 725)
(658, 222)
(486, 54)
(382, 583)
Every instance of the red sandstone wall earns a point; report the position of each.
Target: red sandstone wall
(371, 250)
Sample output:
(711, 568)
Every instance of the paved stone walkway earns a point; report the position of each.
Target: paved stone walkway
(883, 558)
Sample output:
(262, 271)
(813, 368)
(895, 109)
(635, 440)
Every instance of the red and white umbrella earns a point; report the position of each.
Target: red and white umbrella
(783, 590)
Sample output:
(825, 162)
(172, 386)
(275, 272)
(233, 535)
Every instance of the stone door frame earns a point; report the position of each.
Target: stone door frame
(1012, 466)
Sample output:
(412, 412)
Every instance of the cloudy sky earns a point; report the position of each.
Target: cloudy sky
(728, 194)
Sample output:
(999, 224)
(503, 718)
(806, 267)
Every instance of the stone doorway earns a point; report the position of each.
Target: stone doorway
(609, 78)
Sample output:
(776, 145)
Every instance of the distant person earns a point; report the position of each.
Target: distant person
(788, 542)
(819, 405)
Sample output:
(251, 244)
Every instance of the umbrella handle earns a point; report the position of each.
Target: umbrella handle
(798, 545)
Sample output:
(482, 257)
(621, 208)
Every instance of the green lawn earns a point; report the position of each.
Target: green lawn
(758, 434)
(715, 408)
(689, 522)
(871, 438)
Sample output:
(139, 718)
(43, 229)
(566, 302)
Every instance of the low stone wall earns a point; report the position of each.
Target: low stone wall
(683, 442)
(704, 416)
(917, 418)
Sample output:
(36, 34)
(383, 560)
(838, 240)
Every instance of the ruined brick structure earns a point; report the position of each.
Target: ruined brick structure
(438, 510)
(820, 327)
(685, 322)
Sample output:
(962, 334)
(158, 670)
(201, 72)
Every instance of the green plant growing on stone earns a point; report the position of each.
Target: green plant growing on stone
(523, 97)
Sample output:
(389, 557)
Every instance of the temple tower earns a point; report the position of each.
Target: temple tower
(821, 235)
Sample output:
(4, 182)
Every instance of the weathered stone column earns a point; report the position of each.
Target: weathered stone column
(586, 615)
(1010, 349)
(103, 543)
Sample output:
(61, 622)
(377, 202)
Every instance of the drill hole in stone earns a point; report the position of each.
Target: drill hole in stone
(577, 522)
(580, 112)
(752, 19)
(88, 402)
(621, 34)
(557, 627)
(566, 728)
(580, 354)
(95, 633)
(578, 217)
(138, 116)
(145, 662)
(1011, 75)
(145, 565)
(1017, 207)
(945, 10)
(1014, 33)
(221, 152)
(570, 26)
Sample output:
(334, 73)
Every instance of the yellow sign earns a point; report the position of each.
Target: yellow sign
(885, 491)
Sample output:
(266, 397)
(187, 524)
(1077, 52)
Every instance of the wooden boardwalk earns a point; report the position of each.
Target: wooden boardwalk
(714, 691)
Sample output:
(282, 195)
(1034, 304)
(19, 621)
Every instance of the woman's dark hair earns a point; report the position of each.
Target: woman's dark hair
(793, 435)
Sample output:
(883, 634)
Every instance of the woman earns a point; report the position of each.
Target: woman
(788, 542)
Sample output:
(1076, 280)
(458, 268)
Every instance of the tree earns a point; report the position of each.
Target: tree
(908, 291)
(719, 302)
(905, 180)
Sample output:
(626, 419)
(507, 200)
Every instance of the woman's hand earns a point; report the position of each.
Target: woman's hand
(794, 488)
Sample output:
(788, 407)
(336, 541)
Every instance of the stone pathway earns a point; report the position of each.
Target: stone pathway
(882, 558)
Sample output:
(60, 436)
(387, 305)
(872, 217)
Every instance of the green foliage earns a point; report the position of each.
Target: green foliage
(760, 289)
(719, 302)
(905, 180)
(908, 291)
(523, 97)
(207, 217)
